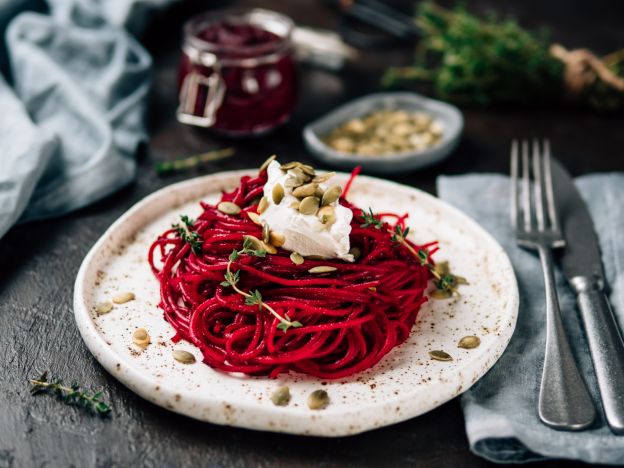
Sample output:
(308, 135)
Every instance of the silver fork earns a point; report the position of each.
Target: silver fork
(564, 402)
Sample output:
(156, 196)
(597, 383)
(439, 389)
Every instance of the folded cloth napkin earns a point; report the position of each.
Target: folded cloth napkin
(501, 409)
(72, 123)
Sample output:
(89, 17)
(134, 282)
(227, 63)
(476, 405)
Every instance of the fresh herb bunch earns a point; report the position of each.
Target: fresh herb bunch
(71, 395)
(231, 279)
(186, 233)
(482, 61)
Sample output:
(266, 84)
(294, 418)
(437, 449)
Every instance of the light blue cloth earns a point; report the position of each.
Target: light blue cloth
(501, 409)
(71, 125)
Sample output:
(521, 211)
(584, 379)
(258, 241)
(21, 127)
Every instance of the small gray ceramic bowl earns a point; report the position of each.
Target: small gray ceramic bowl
(450, 117)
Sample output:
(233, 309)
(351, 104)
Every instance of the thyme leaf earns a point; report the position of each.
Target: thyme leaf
(187, 234)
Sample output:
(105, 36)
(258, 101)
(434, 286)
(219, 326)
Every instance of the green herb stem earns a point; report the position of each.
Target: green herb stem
(189, 162)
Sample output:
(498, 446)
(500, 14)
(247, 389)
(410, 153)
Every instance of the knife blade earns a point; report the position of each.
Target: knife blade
(582, 266)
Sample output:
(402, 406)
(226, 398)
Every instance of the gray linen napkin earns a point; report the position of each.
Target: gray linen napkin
(71, 125)
(501, 409)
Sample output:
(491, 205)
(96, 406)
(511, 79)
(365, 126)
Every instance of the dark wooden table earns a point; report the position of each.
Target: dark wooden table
(39, 262)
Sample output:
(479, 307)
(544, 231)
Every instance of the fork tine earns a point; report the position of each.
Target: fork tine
(550, 196)
(526, 183)
(538, 186)
(515, 208)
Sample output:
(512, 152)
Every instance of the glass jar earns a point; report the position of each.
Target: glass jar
(237, 73)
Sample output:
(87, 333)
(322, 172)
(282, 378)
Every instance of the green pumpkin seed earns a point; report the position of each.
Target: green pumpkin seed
(327, 215)
(469, 342)
(266, 233)
(322, 269)
(183, 356)
(296, 258)
(268, 248)
(331, 195)
(318, 400)
(277, 239)
(319, 179)
(356, 252)
(266, 163)
(441, 294)
(277, 193)
(263, 205)
(123, 298)
(305, 190)
(309, 170)
(290, 165)
(228, 208)
(309, 206)
(104, 308)
(295, 204)
(256, 244)
(255, 217)
(440, 355)
(294, 182)
(141, 338)
(281, 396)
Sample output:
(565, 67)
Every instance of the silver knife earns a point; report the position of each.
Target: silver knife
(582, 266)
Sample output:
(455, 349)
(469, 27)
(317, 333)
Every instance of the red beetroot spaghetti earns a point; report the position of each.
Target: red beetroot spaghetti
(339, 322)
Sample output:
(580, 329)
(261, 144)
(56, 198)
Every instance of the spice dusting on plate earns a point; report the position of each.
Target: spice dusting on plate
(386, 132)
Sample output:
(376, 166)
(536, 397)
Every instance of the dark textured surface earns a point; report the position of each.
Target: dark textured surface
(39, 263)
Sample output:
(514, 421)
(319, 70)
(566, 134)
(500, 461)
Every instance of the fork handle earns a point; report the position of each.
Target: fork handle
(606, 347)
(564, 401)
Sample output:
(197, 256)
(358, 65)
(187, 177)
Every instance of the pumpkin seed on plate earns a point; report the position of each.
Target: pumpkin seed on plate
(318, 400)
(295, 204)
(296, 258)
(256, 243)
(356, 252)
(331, 195)
(294, 182)
(309, 206)
(309, 170)
(123, 298)
(319, 179)
(183, 356)
(255, 217)
(281, 396)
(322, 269)
(266, 163)
(290, 165)
(277, 193)
(327, 215)
(469, 342)
(103, 308)
(277, 238)
(439, 355)
(263, 205)
(305, 190)
(228, 208)
(268, 248)
(266, 233)
(141, 338)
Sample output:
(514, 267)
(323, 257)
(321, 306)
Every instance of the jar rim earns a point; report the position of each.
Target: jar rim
(272, 21)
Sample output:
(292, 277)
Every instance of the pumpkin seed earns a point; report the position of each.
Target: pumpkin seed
(319, 179)
(183, 356)
(356, 252)
(277, 238)
(278, 193)
(103, 308)
(266, 233)
(228, 208)
(309, 205)
(327, 215)
(255, 217)
(296, 258)
(290, 165)
(305, 190)
(322, 269)
(281, 396)
(268, 248)
(318, 193)
(440, 355)
(256, 243)
(295, 204)
(294, 182)
(309, 170)
(263, 205)
(440, 294)
(331, 195)
(469, 342)
(266, 163)
(298, 173)
(318, 400)
(141, 338)
(123, 298)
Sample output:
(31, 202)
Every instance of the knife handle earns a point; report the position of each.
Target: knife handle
(606, 347)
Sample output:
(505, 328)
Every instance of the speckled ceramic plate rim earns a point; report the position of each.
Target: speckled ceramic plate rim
(343, 422)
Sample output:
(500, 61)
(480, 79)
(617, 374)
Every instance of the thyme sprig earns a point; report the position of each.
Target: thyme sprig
(71, 395)
(231, 279)
(165, 167)
(186, 233)
(443, 280)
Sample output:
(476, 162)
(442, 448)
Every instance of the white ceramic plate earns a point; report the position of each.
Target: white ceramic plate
(405, 384)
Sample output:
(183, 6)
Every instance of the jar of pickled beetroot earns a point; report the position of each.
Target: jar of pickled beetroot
(237, 73)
